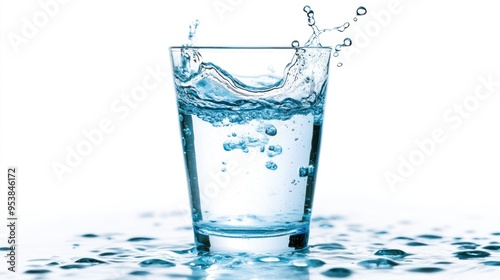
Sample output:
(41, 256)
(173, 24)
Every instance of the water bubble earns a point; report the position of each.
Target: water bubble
(271, 165)
(339, 64)
(336, 54)
(355, 19)
(295, 44)
(310, 14)
(274, 150)
(271, 130)
(306, 171)
(361, 11)
(338, 47)
(307, 9)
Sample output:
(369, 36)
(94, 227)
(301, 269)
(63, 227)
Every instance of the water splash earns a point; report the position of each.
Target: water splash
(192, 32)
(314, 40)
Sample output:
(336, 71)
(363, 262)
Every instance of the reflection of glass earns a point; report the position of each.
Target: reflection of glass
(251, 123)
(226, 267)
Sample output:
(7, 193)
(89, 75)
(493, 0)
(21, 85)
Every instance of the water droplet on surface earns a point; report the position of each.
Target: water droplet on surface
(139, 239)
(391, 253)
(156, 263)
(89, 261)
(337, 272)
(491, 263)
(378, 264)
(74, 266)
(139, 273)
(426, 269)
(269, 259)
(37, 271)
(415, 243)
(89, 235)
(430, 236)
(471, 254)
(492, 247)
(466, 245)
(315, 263)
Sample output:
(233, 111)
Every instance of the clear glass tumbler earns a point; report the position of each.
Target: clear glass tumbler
(250, 121)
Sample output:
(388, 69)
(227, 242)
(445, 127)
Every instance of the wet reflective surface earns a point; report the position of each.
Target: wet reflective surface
(159, 246)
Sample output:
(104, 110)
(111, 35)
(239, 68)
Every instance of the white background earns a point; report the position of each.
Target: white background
(407, 67)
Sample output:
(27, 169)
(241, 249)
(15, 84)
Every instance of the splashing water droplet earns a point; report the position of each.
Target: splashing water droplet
(361, 11)
(307, 8)
(336, 54)
(295, 44)
(338, 47)
(192, 32)
(347, 42)
(339, 64)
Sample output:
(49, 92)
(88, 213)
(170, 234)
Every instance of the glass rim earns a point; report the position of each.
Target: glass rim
(247, 47)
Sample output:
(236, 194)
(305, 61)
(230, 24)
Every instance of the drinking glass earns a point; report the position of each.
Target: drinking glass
(250, 122)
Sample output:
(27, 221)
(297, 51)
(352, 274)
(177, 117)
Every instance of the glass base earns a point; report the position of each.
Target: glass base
(251, 244)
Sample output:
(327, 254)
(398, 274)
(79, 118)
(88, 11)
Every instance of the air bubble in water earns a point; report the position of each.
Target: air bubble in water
(271, 130)
(274, 150)
(271, 165)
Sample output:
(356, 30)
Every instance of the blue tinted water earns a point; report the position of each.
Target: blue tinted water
(338, 249)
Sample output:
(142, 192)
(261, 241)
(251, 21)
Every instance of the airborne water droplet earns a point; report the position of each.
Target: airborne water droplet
(339, 64)
(295, 44)
(361, 11)
(347, 42)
